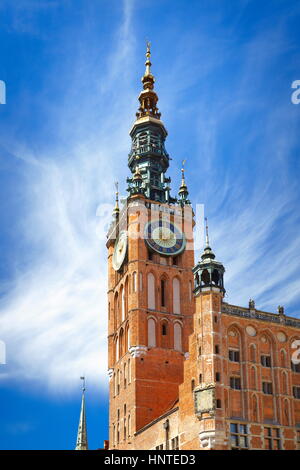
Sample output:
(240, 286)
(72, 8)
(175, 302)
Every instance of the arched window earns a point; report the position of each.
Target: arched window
(151, 291)
(151, 333)
(125, 375)
(254, 408)
(253, 378)
(127, 338)
(252, 353)
(118, 382)
(117, 349)
(283, 358)
(116, 310)
(129, 371)
(134, 286)
(164, 334)
(215, 277)
(122, 303)
(121, 343)
(205, 278)
(126, 297)
(284, 383)
(177, 337)
(176, 295)
(163, 283)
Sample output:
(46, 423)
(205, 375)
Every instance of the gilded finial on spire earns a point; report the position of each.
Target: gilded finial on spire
(183, 190)
(148, 98)
(148, 79)
(182, 174)
(148, 63)
(116, 209)
(206, 232)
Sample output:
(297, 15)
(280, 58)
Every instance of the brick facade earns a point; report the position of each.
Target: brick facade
(238, 359)
(186, 369)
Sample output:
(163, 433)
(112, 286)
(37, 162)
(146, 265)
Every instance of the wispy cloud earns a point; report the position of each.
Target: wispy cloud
(253, 200)
(19, 427)
(53, 318)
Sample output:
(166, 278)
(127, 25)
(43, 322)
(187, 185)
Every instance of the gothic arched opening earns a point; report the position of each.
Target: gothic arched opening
(215, 277)
(205, 278)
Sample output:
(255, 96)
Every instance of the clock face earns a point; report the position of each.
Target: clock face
(120, 251)
(164, 238)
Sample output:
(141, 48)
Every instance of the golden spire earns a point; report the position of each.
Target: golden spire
(148, 63)
(148, 98)
(183, 183)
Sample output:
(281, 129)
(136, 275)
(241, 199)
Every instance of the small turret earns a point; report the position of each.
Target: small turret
(183, 190)
(208, 273)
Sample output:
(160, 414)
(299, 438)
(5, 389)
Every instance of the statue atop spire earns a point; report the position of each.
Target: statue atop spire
(82, 442)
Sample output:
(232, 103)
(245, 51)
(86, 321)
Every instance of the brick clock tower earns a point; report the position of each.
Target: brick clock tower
(150, 281)
(187, 370)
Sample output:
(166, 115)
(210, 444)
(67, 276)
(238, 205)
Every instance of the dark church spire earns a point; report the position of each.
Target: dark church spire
(148, 159)
(82, 442)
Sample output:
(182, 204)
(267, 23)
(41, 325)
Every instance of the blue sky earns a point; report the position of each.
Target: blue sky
(72, 69)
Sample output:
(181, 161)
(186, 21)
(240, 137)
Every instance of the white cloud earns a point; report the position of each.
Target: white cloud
(54, 317)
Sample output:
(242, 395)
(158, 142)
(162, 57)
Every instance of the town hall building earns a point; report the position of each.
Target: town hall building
(187, 370)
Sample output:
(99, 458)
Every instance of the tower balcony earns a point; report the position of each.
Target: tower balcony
(148, 150)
